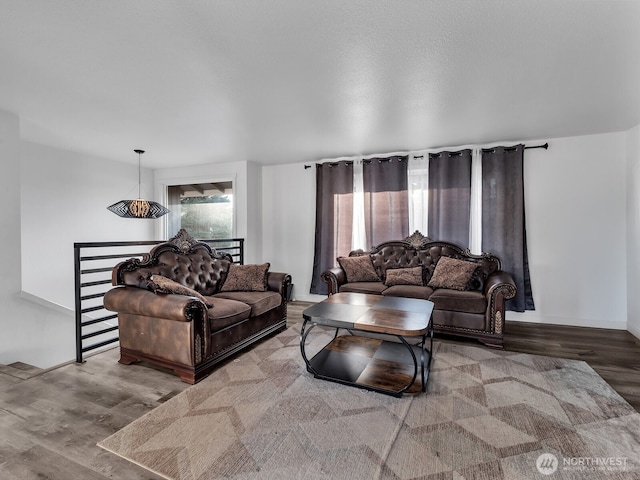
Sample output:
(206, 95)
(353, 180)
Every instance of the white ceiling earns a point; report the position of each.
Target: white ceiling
(282, 81)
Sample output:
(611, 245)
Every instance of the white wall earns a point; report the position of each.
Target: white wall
(10, 281)
(576, 225)
(32, 333)
(576, 230)
(58, 198)
(253, 245)
(64, 200)
(633, 230)
(289, 218)
(248, 221)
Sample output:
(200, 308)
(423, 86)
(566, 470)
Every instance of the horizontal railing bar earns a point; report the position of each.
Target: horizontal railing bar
(145, 242)
(115, 244)
(100, 344)
(96, 270)
(108, 257)
(99, 332)
(91, 284)
(95, 295)
(92, 309)
(98, 320)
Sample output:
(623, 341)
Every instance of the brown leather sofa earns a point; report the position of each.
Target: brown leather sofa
(179, 331)
(475, 308)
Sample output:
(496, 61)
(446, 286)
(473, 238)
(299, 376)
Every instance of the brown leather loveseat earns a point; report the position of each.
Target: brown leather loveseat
(468, 291)
(187, 307)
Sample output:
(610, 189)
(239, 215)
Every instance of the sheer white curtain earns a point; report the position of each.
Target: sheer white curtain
(475, 234)
(418, 183)
(359, 238)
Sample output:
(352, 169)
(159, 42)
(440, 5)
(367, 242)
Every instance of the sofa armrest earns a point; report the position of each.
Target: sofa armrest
(279, 282)
(334, 277)
(500, 282)
(138, 301)
(498, 288)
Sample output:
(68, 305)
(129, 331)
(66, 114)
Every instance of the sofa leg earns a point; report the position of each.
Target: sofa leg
(496, 343)
(127, 359)
(186, 377)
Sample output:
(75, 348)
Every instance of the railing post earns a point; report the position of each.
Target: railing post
(78, 302)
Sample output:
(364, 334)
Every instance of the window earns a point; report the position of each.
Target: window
(205, 210)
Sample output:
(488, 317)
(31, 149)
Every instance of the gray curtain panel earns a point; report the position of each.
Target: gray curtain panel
(386, 204)
(503, 218)
(334, 218)
(450, 196)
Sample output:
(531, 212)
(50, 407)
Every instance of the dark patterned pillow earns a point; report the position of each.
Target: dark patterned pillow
(359, 269)
(160, 284)
(404, 276)
(453, 274)
(246, 278)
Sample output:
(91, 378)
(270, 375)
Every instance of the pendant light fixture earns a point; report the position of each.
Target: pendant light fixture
(138, 208)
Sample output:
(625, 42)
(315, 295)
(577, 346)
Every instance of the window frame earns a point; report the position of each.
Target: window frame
(177, 181)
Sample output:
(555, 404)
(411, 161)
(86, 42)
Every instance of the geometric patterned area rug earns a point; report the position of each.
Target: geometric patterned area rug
(487, 414)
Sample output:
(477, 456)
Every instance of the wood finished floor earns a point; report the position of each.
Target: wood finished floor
(51, 421)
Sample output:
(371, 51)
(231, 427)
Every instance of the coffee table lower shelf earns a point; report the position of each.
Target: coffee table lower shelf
(373, 364)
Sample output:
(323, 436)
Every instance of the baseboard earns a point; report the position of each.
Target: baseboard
(309, 297)
(533, 317)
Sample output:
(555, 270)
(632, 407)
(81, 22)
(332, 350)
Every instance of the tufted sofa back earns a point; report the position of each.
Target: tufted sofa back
(199, 267)
(402, 254)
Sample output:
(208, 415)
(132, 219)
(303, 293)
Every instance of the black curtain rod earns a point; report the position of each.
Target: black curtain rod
(493, 149)
(545, 146)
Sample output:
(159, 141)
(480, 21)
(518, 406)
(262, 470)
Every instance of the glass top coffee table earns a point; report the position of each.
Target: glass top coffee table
(373, 362)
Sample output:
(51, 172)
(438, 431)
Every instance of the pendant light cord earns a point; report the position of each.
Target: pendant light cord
(139, 152)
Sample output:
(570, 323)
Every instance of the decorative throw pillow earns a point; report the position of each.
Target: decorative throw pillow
(359, 269)
(160, 284)
(404, 276)
(453, 274)
(246, 278)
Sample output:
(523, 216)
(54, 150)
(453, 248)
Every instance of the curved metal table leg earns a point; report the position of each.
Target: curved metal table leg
(415, 365)
(303, 339)
(425, 360)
